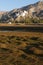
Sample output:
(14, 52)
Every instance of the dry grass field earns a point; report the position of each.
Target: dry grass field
(21, 48)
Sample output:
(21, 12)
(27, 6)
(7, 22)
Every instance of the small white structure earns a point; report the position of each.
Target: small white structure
(9, 23)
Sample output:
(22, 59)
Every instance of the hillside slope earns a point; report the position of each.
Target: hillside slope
(29, 11)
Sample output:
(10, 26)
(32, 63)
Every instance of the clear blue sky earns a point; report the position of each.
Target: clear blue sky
(12, 4)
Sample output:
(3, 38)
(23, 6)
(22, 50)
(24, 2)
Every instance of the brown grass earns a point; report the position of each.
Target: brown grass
(21, 48)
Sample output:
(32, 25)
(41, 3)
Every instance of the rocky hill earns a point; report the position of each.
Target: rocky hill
(31, 11)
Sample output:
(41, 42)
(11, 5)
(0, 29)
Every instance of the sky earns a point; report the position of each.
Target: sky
(7, 5)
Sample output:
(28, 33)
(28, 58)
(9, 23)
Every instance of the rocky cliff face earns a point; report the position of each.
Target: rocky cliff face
(33, 10)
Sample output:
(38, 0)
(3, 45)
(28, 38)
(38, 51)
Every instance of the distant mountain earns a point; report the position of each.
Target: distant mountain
(31, 11)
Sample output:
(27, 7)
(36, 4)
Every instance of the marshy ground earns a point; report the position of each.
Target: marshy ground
(21, 48)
